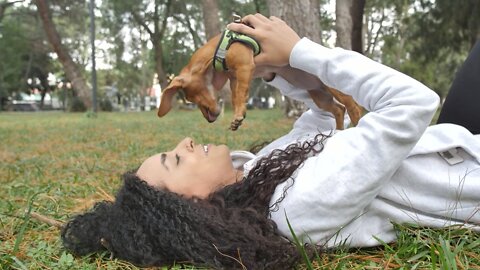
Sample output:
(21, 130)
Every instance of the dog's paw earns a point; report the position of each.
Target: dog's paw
(236, 123)
(355, 113)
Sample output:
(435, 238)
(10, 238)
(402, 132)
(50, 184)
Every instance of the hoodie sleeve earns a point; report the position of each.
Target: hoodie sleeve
(333, 188)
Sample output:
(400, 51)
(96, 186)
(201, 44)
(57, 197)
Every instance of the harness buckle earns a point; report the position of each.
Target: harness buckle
(236, 18)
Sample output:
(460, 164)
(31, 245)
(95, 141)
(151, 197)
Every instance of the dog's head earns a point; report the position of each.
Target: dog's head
(200, 83)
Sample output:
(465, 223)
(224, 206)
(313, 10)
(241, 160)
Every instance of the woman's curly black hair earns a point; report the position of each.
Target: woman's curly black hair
(231, 229)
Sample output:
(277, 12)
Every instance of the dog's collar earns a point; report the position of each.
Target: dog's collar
(228, 37)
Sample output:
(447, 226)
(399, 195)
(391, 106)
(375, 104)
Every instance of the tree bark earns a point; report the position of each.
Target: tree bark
(72, 71)
(343, 24)
(303, 17)
(211, 19)
(357, 10)
(349, 23)
(158, 54)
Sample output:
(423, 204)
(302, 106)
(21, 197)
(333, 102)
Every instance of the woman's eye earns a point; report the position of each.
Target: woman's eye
(177, 157)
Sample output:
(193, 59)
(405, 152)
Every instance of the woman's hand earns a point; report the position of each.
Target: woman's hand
(294, 76)
(267, 73)
(276, 38)
(300, 78)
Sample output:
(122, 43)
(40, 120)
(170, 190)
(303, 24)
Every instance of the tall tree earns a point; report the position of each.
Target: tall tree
(15, 49)
(211, 18)
(303, 17)
(188, 15)
(152, 17)
(357, 12)
(343, 23)
(348, 24)
(72, 71)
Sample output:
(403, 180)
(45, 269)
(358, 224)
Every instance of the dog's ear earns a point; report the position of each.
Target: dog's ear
(168, 94)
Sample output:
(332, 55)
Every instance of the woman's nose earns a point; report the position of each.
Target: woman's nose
(188, 143)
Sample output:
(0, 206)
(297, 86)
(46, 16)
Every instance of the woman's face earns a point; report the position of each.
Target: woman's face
(192, 170)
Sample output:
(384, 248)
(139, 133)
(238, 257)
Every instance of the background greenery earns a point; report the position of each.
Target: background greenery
(427, 39)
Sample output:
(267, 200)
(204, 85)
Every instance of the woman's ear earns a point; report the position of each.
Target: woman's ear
(168, 94)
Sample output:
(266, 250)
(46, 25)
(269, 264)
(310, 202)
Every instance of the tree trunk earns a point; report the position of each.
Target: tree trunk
(343, 24)
(303, 17)
(349, 23)
(357, 11)
(71, 69)
(211, 19)
(158, 54)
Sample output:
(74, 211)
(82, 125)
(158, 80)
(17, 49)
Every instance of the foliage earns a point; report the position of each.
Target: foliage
(77, 105)
(428, 40)
(446, 24)
(22, 52)
(106, 105)
(242, 8)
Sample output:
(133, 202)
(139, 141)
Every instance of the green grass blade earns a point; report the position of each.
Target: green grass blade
(300, 246)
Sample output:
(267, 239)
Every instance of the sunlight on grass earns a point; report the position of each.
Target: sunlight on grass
(59, 164)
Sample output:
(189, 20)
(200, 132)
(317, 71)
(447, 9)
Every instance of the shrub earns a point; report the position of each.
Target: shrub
(77, 105)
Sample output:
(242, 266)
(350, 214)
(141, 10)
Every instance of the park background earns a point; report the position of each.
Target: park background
(91, 109)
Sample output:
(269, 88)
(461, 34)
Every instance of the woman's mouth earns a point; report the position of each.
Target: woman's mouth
(205, 149)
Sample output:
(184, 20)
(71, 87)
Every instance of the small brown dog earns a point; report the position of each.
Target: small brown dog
(200, 80)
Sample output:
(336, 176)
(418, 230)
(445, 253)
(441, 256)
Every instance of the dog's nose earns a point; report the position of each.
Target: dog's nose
(212, 116)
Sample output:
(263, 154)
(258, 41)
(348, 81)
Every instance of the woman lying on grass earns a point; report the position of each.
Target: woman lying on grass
(202, 205)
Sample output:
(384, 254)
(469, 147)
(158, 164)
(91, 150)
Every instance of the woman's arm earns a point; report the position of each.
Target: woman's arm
(334, 188)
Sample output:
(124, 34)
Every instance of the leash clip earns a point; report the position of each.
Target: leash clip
(236, 18)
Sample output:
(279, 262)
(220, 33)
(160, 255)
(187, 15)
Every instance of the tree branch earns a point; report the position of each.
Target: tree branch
(4, 6)
(186, 23)
(165, 18)
(377, 35)
(142, 23)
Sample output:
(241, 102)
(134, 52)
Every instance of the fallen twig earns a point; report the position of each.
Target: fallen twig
(231, 257)
(49, 221)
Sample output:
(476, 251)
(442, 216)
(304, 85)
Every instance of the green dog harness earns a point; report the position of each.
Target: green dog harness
(228, 37)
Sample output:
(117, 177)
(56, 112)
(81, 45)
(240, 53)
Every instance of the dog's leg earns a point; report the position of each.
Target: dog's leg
(240, 85)
(353, 109)
(325, 101)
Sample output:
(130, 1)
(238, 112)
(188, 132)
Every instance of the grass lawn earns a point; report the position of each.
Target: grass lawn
(58, 164)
